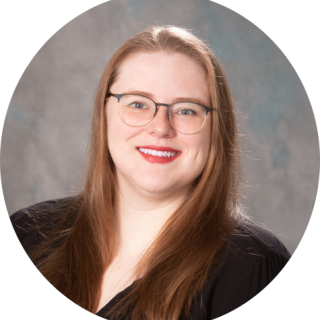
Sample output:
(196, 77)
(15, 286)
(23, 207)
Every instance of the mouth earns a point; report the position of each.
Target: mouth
(157, 154)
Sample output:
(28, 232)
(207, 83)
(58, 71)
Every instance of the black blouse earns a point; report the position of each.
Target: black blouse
(252, 261)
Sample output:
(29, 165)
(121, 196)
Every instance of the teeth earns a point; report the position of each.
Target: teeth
(156, 153)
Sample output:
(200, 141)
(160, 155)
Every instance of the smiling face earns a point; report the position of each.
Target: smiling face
(165, 78)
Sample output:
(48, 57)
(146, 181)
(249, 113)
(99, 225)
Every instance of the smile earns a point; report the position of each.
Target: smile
(158, 153)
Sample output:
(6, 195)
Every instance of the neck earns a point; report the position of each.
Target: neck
(141, 215)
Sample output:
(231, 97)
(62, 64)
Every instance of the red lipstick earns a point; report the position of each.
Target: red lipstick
(159, 159)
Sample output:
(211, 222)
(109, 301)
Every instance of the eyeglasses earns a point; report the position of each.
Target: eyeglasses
(137, 110)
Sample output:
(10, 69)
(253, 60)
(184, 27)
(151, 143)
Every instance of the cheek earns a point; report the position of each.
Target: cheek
(201, 151)
(114, 134)
(117, 130)
(120, 138)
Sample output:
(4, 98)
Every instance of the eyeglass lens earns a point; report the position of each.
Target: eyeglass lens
(185, 117)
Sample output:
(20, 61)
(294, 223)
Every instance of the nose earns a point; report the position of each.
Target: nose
(160, 125)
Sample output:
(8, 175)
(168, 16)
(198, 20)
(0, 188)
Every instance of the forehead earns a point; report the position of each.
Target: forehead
(164, 76)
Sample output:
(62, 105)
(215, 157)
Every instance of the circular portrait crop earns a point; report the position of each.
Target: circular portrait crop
(159, 163)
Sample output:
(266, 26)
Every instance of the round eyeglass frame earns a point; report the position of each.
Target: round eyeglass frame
(119, 96)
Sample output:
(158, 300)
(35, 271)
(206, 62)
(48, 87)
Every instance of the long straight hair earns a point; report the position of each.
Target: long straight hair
(172, 272)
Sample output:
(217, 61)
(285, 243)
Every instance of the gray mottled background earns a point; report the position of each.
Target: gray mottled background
(47, 124)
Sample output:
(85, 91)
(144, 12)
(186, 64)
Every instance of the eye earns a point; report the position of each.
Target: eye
(187, 112)
(138, 105)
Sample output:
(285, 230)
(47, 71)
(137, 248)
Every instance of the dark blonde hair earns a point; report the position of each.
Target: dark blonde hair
(172, 272)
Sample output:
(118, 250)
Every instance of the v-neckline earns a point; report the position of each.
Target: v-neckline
(119, 296)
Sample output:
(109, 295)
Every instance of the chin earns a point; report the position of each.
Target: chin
(155, 189)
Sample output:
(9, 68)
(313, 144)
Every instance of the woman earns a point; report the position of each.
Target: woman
(156, 232)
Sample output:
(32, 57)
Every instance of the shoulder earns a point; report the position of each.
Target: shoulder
(254, 257)
(42, 210)
(251, 244)
(32, 223)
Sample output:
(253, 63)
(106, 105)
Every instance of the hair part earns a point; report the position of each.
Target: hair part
(178, 263)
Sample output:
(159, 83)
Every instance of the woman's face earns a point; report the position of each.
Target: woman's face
(165, 78)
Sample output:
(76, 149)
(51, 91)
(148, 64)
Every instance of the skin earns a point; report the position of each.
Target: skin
(150, 192)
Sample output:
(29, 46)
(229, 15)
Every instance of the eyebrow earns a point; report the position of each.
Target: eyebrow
(179, 99)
